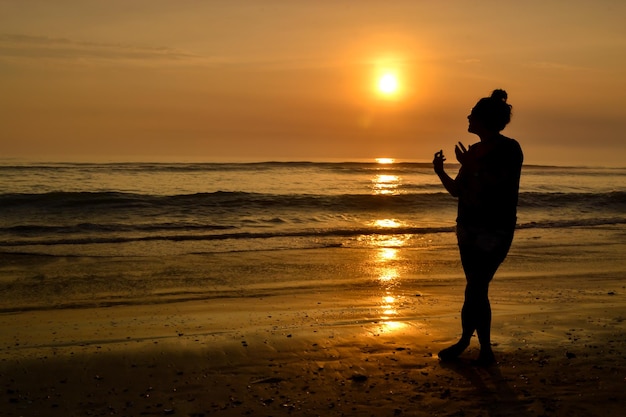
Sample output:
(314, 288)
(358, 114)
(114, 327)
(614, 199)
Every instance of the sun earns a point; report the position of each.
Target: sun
(388, 84)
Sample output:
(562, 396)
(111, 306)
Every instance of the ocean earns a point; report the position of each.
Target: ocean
(123, 213)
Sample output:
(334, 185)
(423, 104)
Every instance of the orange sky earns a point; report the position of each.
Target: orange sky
(275, 80)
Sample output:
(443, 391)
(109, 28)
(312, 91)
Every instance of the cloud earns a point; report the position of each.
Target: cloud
(42, 47)
(555, 66)
(17, 47)
(469, 61)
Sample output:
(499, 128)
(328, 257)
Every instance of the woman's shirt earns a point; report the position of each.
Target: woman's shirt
(488, 184)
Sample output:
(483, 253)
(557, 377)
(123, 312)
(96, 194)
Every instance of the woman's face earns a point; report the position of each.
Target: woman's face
(474, 124)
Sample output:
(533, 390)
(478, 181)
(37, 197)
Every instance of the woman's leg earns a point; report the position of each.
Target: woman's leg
(468, 312)
(476, 311)
(481, 255)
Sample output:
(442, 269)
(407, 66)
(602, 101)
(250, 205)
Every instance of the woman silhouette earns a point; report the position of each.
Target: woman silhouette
(487, 187)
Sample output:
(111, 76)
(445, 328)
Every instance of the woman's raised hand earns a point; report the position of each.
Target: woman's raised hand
(438, 161)
(460, 152)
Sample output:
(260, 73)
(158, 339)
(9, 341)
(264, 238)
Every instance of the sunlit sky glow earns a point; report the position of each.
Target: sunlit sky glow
(279, 80)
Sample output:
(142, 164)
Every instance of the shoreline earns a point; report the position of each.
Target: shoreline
(41, 282)
(353, 332)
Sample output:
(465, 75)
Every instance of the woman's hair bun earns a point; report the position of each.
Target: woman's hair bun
(499, 95)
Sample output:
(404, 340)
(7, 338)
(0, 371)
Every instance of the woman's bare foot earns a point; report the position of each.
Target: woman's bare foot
(485, 358)
(453, 352)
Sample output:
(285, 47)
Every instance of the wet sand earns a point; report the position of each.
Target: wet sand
(558, 332)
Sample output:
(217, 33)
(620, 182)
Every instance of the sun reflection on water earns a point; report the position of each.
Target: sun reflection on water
(387, 223)
(391, 326)
(387, 256)
(388, 307)
(389, 314)
(388, 276)
(387, 244)
(386, 184)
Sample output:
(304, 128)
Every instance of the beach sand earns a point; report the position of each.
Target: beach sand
(365, 350)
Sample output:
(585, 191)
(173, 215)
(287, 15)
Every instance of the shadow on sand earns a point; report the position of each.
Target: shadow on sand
(492, 388)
